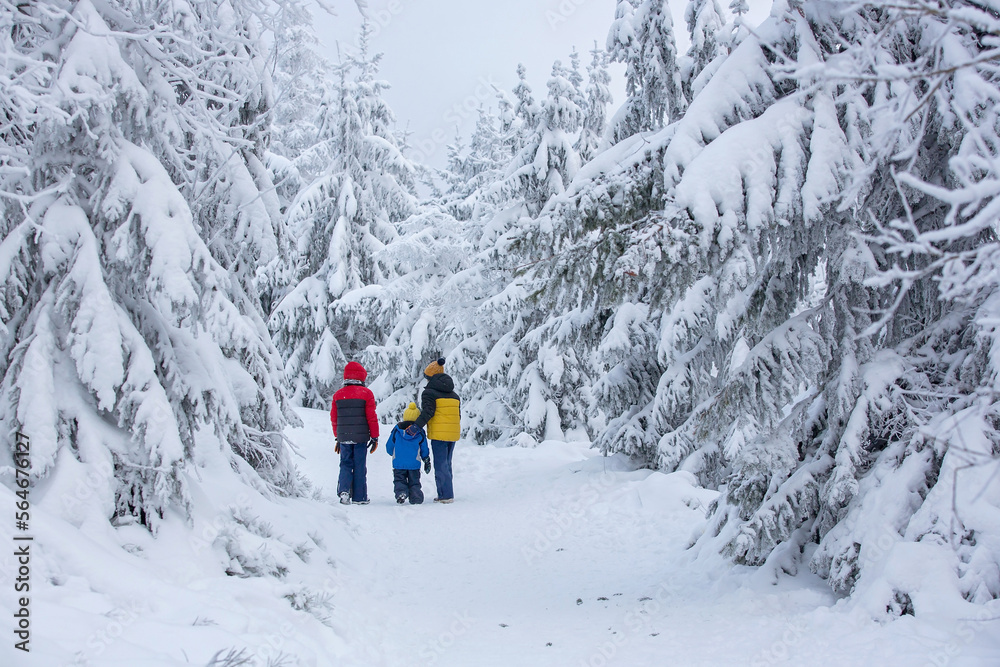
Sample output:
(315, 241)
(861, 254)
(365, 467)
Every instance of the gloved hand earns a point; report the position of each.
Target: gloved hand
(412, 430)
(372, 445)
(336, 448)
(427, 464)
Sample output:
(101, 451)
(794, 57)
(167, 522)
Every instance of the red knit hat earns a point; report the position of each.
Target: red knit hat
(355, 371)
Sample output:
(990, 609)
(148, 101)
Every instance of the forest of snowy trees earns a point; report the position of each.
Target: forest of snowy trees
(773, 265)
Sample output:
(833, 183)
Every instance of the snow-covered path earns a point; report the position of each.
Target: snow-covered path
(558, 556)
(549, 556)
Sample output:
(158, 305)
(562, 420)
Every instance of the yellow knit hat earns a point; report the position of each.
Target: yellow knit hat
(434, 368)
(411, 412)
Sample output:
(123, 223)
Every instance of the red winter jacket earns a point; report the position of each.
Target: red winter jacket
(353, 411)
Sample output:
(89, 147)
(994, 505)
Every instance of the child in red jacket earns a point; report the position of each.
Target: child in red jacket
(355, 427)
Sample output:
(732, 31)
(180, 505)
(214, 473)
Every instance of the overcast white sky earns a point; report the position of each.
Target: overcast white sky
(441, 57)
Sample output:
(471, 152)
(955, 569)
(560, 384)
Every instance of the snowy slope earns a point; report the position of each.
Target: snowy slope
(549, 556)
(117, 596)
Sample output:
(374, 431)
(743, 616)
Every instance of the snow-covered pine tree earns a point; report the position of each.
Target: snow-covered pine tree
(455, 174)
(595, 119)
(642, 37)
(473, 174)
(575, 77)
(759, 279)
(126, 347)
(720, 284)
(464, 300)
(302, 92)
(508, 128)
(526, 110)
(931, 426)
(737, 29)
(302, 142)
(705, 22)
(604, 265)
(493, 149)
(468, 307)
(748, 279)
(532, 385)
(232, 194)
(548, 159)
(343, 221)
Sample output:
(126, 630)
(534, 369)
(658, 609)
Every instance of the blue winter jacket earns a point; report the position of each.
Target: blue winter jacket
(405, 449)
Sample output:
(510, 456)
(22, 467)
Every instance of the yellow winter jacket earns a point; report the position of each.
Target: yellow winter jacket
(440, 409)
(444, 425)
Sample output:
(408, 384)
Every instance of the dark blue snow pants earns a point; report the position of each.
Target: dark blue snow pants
(353, 471)
(406, 483)
(442, 452)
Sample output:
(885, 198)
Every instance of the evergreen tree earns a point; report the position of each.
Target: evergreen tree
(303, 103)
(473, 175)
(575, 77)
(507, 118)
(931, 415)
(705, 23)
(737, 30)
(642, 37)
(126, 344)
(343, 221)
(723, 299)
(526, 110)
(598, 98)
(693, 288)
(302, 92)
(548, 160)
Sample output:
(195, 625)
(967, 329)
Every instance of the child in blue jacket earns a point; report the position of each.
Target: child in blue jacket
(407, 451)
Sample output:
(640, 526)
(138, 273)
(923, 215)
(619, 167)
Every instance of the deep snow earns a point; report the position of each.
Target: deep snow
(553, 555)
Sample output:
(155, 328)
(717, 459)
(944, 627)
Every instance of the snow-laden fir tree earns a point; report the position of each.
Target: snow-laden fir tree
(480, 183)
(595, 118)
(526, 109)
(752, 275)
(931, 405)
(548, 159)
(705, 22)
(301, 144)
(342, 222)
(128, 350)
(688, 264)
(454, 174)
(508, 123)
(642, 37)
(737, 30)
(575, 77)
(533, 386)
(748, 323)
(473, 174)
(302, 93)
(233, 197)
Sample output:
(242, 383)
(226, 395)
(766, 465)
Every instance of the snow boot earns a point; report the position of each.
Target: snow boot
(400, 499)
(361, 502)
(444, 501)
(345, 498)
